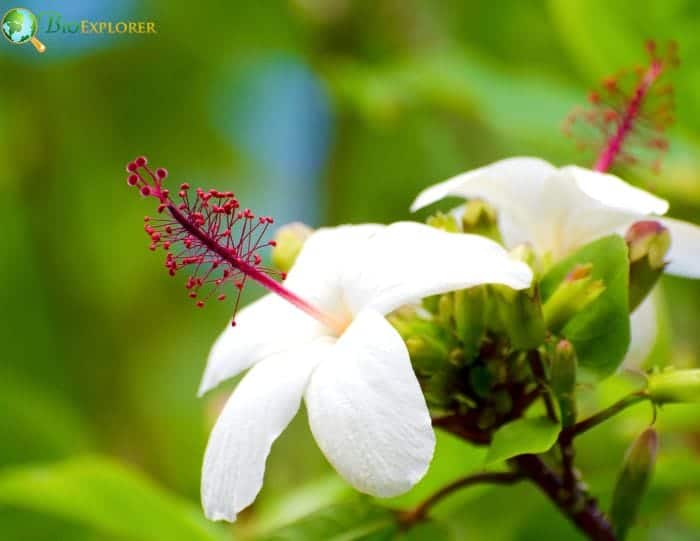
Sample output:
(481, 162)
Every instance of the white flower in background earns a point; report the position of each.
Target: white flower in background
(558, 210)
(364, 403)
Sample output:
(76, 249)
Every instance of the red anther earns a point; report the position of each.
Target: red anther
(146, 218)
(594, 98)
(233, 323)
(152, 247)
(610, 83)
(204, 234)
(650, 46)
(200, 304)
(283, 276)
(272, 243)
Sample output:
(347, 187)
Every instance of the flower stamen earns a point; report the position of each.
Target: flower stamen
(630, 109)
(198, 235)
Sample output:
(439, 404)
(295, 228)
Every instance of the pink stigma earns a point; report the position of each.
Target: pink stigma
(207, 235)
(628, 115)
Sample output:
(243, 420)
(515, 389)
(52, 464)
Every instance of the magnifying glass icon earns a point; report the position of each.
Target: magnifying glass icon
(19, 26)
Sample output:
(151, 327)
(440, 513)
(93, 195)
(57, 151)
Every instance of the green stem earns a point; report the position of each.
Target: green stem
(419, 512)
(579, 428)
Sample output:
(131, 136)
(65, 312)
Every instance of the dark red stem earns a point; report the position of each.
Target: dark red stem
(581, 510)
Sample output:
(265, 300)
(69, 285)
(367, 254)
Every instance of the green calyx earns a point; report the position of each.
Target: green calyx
(674, 386)
(633, 482)
(572, 295)
(648, 243)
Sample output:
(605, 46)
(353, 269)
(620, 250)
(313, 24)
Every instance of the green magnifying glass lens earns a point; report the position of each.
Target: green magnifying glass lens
(19, 25)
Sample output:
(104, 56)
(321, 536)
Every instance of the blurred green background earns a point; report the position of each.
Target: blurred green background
(322, 111)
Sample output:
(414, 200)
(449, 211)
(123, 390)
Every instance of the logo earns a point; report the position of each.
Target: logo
(19, 26)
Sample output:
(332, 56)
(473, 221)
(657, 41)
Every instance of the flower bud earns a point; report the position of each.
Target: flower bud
(674, 386)
(469, 318)
(289, 240)
(520, 316)
(428, 343)
(443, 221)
(563, 378)
(445, 310)
(648, 242)
(480, 218)
(572, 295)
(633, 481)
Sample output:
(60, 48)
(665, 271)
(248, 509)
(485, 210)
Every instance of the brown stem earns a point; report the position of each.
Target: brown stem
(581, 510)
(419, 512)
(455, 424)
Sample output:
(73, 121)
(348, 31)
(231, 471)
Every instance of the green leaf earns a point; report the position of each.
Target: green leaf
(525, 436)
(358, 519)
(601, 332)
(105, 496)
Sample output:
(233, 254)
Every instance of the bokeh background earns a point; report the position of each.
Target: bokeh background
(321, 111)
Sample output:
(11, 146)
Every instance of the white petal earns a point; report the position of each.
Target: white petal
(684, 256)
(367, 411)
(259, 409)
(316, 273)
(503, 183)
(614, 192)
(408, 261)
(267, 326)
(644, 330)
(531, 197)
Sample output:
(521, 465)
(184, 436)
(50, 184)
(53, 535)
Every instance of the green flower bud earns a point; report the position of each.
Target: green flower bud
(445, 310)
(469, 319)
(443, 221)
(674, 386)
(520, 316)
(648, 242)
(633, 481)
(427, 355)
(573, 294)
(480, 218)
(427, 342)
(289, 240)
(563, 379)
